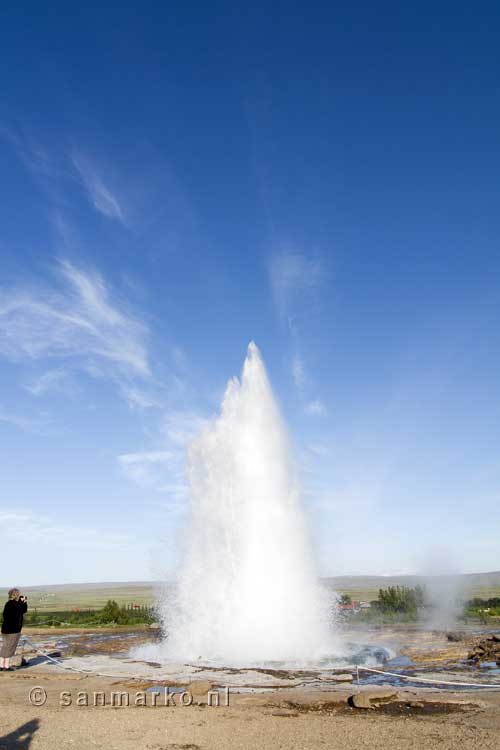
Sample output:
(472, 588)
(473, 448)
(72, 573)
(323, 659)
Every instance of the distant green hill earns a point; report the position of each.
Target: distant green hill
(89, 595)
(94, 595)
(484, 585)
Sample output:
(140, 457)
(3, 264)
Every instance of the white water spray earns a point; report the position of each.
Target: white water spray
(248, 590)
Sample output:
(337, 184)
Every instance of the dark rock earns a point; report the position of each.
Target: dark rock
(343, 677)
(372, 698)
(488, 649)
(455, 636)
(360, 700)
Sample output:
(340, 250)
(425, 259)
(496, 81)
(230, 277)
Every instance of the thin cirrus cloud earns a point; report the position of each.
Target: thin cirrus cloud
(150, 469)
(77, 321)
(163, 469)
(299, 374)
(52, 380)
(63, 167)
(139, 398)
(315, 408)
(99, 194)
(26, 526)
(295, 279)
(31, 153)
(35, 425)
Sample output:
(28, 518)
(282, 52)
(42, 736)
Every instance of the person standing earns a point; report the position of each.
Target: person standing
(13, 613)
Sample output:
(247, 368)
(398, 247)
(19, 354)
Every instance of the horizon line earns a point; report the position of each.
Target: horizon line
(150, 582)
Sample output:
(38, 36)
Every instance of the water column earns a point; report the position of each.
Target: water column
(248, 590)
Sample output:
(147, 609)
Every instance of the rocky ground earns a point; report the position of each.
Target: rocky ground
(486, 650)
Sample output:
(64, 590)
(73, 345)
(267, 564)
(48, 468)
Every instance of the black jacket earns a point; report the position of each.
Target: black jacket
(13, 616)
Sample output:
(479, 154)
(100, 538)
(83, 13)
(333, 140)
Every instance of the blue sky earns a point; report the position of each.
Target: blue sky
(178, 179)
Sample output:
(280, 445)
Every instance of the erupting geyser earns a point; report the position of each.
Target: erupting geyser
(248, 591)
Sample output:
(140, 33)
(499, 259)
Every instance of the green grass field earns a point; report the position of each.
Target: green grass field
(366, 588)
(61, 597)
(64, 597)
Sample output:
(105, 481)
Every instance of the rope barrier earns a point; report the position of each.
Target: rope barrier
(68, 667)
(409, 678)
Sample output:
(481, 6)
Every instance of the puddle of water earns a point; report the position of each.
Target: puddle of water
(491, 667)
(467, 674)
(399, 662)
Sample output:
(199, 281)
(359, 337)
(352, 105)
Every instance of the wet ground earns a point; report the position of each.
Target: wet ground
(407, 651)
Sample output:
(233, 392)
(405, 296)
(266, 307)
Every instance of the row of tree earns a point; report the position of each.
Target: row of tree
(111, 613)
(481, 607)
(400, 599)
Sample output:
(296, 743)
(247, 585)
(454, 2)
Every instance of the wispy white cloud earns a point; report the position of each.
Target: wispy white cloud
(63, 169)
(99, 193)
(164, 469)
(78, 321)
(52, 380)
(179, 427)
(139, 398)
(29, 527)
(179, 357)
(299, 372)
(295, 279)
(28, 424)
(319, 449)
(315, 408)
(150, 469)
(30, 152)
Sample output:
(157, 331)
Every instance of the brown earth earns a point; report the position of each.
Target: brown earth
(405, 719)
